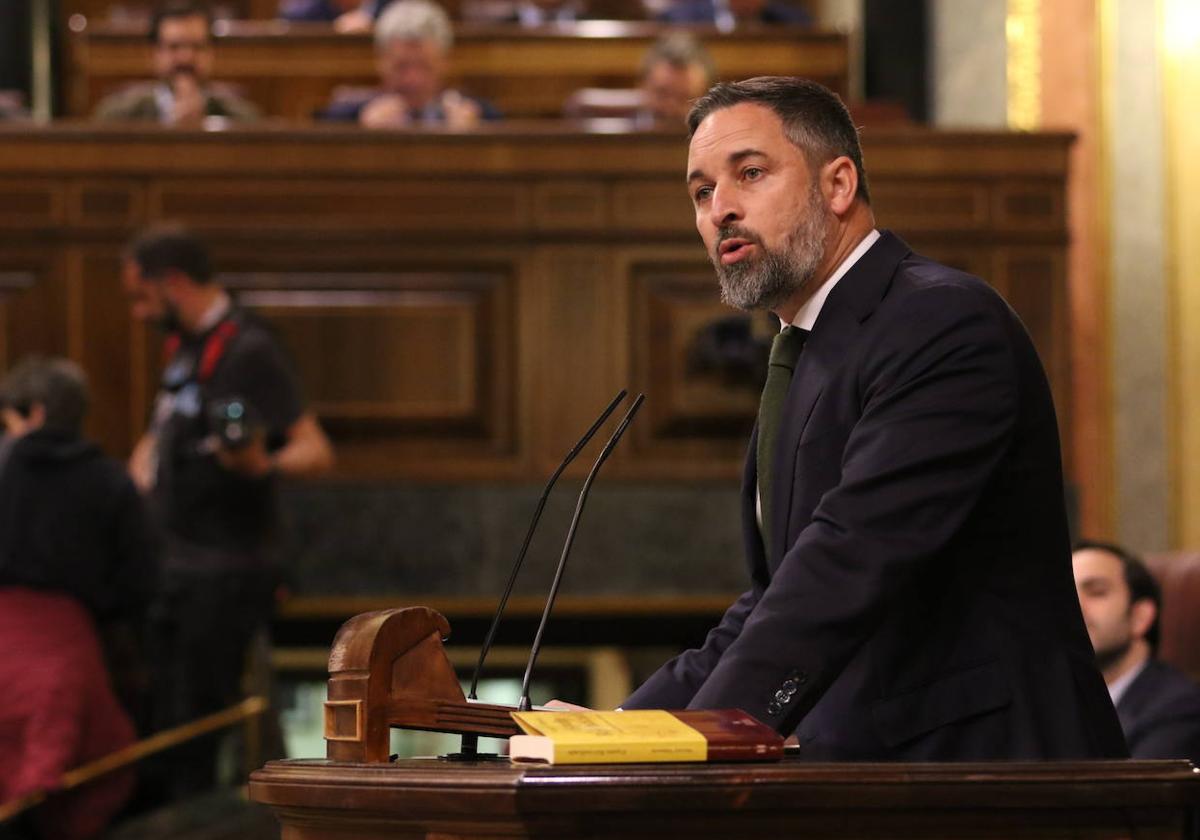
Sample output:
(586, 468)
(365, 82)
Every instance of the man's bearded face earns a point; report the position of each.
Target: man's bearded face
(767, 280)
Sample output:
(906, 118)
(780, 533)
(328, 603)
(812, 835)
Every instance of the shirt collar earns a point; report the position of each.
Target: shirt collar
(807, 316)
(1118, 687)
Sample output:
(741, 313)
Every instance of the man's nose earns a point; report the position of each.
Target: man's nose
(725, 207)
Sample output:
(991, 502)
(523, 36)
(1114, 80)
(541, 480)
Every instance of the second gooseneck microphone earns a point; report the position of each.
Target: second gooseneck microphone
(537, 515)
(524, 704)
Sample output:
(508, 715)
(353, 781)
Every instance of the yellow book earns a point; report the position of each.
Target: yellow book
(605, 737)
(642, 736)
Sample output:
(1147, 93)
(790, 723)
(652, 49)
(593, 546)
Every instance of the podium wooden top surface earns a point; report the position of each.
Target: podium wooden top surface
(422, 796)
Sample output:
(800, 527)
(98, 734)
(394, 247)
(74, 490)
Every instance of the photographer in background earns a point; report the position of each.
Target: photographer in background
(183, 94)
(213, 490)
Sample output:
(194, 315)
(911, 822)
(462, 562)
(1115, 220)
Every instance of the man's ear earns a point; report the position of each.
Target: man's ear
(1142, 614)
(839, 182)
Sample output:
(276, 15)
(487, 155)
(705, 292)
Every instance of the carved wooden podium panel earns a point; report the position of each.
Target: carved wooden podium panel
(388, 669)
(323, 800)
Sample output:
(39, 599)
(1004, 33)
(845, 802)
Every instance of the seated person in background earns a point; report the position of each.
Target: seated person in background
(676, 71)
(183, 93)
(11, 107)
(542, 12)
(727, 15)
(1159, 707)
(73, 541)
(345, 15)
(412, 43)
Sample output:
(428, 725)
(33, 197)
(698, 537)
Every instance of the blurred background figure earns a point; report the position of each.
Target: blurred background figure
(183, 92)
(345, 15)
(675, 72)
(228, 421)
(542, 12)
(727, 15)
(75, 556)
(412, 43)
(1159, 706)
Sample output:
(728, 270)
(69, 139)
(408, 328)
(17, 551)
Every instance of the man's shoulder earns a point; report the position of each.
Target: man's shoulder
(924, 290)
(134, 101)
(1165, 687)
(254, 336)
(227, 101)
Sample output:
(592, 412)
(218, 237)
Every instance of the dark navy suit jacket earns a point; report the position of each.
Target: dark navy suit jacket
(1160, 713)
(920, 604)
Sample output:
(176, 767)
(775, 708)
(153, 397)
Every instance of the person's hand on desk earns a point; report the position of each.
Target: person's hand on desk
(388, 110)
(563, 706)
(357, 20)
(461, 112)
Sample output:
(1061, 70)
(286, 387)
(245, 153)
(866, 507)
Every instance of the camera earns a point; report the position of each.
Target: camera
(234, 422)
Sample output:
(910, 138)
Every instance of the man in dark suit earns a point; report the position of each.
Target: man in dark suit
(911, 594)
(1159, 706)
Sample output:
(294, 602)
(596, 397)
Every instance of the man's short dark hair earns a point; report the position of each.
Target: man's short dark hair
(170, 247)
(58, 385)
(814, 118)
(178, 9)
(1141, 583)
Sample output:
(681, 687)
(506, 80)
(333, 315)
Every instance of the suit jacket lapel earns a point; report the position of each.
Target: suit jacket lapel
(850, 303)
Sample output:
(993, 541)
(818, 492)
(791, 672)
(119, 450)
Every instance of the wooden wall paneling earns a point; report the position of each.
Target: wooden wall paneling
(410, 371)
(701, 396)
(1029, 205)
(576, 205)
(922, 205)
(655, 205)
(12, 283)
(105, 349)
(31, 203)
(392, 206)
(573, 334)
(34, 297)
(1034, 284)
(105, 203)
(593, 275)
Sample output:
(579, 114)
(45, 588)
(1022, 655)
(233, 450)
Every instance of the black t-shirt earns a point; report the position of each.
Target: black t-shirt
(199, 501)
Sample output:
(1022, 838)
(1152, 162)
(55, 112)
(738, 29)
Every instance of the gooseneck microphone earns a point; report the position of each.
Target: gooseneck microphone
(537, 514)
(524, 703)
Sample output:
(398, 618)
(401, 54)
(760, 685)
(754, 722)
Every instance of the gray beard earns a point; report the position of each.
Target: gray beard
(768, 281)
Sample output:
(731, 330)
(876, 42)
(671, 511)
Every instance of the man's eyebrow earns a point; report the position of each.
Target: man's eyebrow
(734, 157)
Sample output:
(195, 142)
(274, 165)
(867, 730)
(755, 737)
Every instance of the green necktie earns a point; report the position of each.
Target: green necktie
(785, 350)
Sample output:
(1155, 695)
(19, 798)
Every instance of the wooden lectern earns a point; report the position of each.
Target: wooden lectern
(388, 669)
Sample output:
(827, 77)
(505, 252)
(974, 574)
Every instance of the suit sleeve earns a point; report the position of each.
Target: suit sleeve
(675, 684)
(938, 395)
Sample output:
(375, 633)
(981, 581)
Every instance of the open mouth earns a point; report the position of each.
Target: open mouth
(733, 249)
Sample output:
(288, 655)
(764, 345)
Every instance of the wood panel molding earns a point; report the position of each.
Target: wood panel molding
(461, 306)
